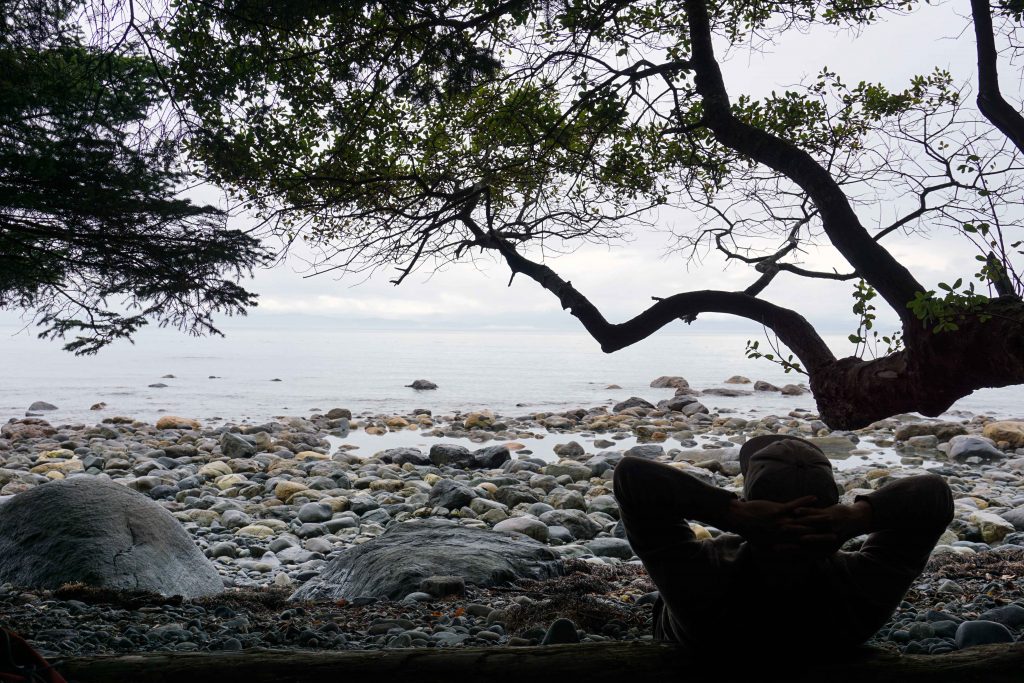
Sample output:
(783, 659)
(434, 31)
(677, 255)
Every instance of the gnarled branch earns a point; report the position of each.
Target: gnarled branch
(873, 262)
(991, 102)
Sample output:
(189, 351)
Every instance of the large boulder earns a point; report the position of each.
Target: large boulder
(632, 402)
(1010, 431)
(943, 431)
(670, 382)
(963, 447)
(451, 454)
(395, 563)
(29, 428)
(401, 456)
(96, 532)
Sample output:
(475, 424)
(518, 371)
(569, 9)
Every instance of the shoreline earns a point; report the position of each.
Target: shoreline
(234, 508)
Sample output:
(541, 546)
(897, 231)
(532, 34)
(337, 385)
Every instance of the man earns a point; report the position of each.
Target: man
(777, 580)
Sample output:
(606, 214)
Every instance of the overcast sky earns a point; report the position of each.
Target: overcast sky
(621, 280)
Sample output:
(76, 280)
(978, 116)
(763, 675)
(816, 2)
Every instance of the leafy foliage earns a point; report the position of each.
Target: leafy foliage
(93, 235)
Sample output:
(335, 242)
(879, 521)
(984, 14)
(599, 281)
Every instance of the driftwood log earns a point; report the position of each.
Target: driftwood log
(632, 662)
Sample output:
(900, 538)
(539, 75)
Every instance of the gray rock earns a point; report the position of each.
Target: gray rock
(669, 382)
(980, 632)
(451, 454)
(42, 405)
(694, 408)
(576, 521)
(401, 456)
(315, 512)
(574, 470)
(102, 534)
(1015, 517)
(602, 462)
(339, 413)
(963, 447)
(235, 519)
(564, 499)
(393, 564)
(236, 446)
(605, 504)
(729, 393)
(632, 402)
(514, 495)
(677, 403)
(942, 431)
(443, 586)
(561, 632)
(610, 547)
(534, 528)
(450, 494)
(422, 385)
(569, 450)
(1011, 616)
(558, 534)
(650, 451)
(492, 457)
(761, 385)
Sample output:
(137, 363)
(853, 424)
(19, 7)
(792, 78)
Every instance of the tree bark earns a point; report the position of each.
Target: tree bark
(930, 374)
(634, 662)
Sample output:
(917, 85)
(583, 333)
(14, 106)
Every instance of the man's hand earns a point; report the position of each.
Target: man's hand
(765, 522)
(793, 527)
(830, 527)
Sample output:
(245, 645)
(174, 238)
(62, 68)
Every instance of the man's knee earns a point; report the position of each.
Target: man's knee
(628, 477)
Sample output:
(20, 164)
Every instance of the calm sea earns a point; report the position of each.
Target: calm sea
(511, 372)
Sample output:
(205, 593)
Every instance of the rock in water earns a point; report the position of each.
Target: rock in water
(101, 534)
(42, 405)
(395, 563)
(422, 385)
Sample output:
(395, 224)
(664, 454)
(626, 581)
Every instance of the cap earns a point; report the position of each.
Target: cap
(782, 468)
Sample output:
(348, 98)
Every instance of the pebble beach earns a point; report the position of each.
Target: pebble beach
(272, 504)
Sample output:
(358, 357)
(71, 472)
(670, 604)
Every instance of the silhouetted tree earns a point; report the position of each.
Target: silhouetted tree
(94, 237)
(414, 132)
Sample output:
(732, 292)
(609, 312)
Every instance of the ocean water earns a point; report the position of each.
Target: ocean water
(510, 372)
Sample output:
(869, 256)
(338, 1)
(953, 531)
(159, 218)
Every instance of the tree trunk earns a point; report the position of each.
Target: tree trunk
(930, 374)
(633, 662)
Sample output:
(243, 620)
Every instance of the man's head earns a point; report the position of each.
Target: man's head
(783, 468)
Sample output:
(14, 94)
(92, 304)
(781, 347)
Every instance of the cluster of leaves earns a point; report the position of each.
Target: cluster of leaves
(942, 314)
(867, 339)
(787, 363)
(94, 237)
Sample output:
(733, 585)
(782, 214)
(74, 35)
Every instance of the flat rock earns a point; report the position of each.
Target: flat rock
(833, 446)
(724, 391)
(394, 564)
(943, 431)
(42, 405)
(102, 534)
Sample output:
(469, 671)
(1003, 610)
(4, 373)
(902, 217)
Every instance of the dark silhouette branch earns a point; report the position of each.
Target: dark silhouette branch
(873, 262)
(792, 328)
(991, 102)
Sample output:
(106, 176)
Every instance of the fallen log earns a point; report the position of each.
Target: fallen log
(633, 662)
